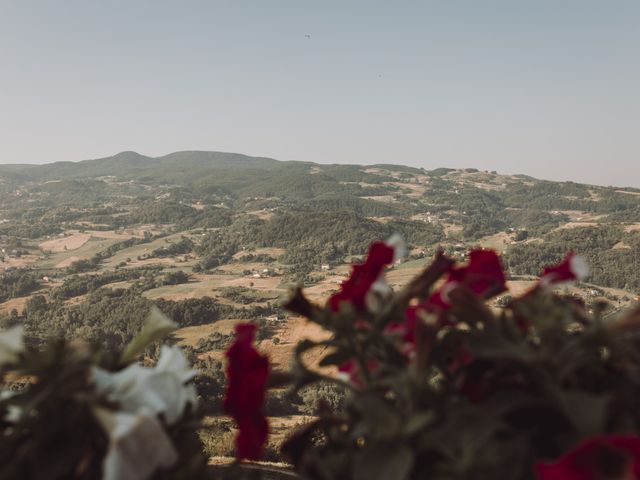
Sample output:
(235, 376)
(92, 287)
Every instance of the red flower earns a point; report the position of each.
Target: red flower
(572, 268)
(406, 331)
(355, 289)
(483, 275)
(350, 371)
(247, 373)
(613, 457)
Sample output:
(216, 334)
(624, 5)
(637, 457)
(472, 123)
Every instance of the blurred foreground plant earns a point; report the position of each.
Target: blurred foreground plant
(440, 386)
(75, 411)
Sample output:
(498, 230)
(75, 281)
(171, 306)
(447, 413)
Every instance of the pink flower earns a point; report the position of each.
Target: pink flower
(572, 268)
(483, 275)
(612, 457)
(355, 289)
(247, 373)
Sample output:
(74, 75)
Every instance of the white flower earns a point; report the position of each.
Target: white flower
(153, 391)
(378, 295)
(14, 412)
(579, 267)
(138, 445)
(11, 344)
(399, 246)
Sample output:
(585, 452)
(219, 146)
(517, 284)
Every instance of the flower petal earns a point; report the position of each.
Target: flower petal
(572, 268)
(612, 456)
(11, 344)
(247, 373)
(354, 290)
(138, 445)
(155, 391)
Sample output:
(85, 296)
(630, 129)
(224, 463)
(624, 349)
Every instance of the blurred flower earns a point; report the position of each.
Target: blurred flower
(11, 345)
(247, 373)
(483, 275)
(14, 412)
(350, 371)
(613, 457)
(156, 326)
(366, 289)
(161, 390)
(138, 445)
(572, 268)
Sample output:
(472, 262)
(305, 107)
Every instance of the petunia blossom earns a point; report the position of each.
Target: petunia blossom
(138, 445)
(572, 268)
(483, 275)
(366, 289)
(604, 457)
(406, 330)
(162, 390)
(247, 373)
(350, 371)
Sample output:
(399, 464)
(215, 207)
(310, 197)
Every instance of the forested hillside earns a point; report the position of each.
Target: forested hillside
(87, 247)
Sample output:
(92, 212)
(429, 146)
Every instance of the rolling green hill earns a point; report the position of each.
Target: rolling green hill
(123, 232)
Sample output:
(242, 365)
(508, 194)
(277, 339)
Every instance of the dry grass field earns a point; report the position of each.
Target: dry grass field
(85, 251)
(17, 303)
(191, 335)
(203, 285)
(63, 244)
(498, 242)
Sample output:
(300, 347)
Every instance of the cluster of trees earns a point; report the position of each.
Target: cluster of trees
(76, 285)
(111, 317)
(175, 278)
(612, 267)
(114, 316)
(349, 203)
(17, 283)
(310, 240)
(244, 296)
(183, 246)
(30, 230)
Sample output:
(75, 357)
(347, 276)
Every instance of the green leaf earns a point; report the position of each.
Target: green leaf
(418, 422)
(587, 412)
(157, 326)
(336, 358)
(378, 419)
(384, 461)
(490, 344)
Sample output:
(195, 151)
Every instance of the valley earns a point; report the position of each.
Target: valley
(213, 239)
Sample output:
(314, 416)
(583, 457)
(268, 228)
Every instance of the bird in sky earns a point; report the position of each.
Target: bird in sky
(308, 36)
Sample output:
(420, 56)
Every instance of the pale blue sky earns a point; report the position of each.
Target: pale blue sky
(546, 88)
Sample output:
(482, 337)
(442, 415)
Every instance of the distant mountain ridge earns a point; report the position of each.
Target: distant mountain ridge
(131, 163)
(193, 165)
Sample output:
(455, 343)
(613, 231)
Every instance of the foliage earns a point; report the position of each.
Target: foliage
(17, 283)
(66, 415)
(609, 267)
(466, 392)
(181, 247)
(77, 285)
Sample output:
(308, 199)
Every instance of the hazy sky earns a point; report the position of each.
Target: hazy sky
(546, 88)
